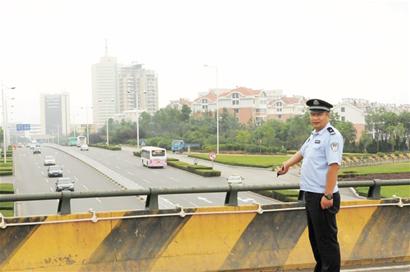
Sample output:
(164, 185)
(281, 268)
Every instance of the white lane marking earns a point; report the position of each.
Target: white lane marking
(131, 173)
(205, 199)
(174, 179)
(68, 171)
(99, 200)
(42, 173)
(76, 179)
(193, 204)
(119, 168)
(85, 187)
(47, 180)
(246, 200)
(51, 189)
(168, 203)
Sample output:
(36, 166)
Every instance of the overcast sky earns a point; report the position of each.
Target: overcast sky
(325, 49)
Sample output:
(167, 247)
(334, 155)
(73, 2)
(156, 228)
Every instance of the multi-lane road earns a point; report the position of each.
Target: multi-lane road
(31, 177)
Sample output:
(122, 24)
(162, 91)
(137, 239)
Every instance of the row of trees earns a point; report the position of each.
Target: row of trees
(385, 131)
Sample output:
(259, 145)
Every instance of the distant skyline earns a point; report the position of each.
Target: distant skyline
(324, 49)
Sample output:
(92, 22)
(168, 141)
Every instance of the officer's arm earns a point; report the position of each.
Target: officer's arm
(283, 169)
(331, 178)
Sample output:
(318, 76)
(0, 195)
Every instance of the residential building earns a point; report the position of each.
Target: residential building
(247, 104)
(352, 112)
(55, 114)
(138, 89)
(284, 107)
(178, 104)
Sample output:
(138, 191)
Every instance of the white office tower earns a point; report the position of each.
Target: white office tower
(138, 89)
(55, 114)
(105, 90)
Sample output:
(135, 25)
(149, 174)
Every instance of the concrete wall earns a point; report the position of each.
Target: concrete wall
(209, 239)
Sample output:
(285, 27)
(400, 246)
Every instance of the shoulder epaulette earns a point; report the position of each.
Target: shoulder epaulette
(331, 131)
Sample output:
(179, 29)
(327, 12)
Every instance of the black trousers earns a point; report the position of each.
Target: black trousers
(323, 232)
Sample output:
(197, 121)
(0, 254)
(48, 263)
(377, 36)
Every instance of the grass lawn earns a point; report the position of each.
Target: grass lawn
(7, 208)
(403, 167)
(246, 160)
(388, 191)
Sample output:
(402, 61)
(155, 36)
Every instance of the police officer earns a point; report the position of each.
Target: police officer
(322, 156)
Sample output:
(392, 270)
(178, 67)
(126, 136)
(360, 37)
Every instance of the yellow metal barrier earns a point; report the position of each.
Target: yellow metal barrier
(203, 239)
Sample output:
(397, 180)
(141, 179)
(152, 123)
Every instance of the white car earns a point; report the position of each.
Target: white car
(63, 184)
(235, 179)
(49, 160)
(84, 147)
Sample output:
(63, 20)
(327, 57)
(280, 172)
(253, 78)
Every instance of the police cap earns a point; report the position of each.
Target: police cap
(318, 105)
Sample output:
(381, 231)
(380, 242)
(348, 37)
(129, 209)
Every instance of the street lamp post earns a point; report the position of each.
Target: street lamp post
(108, 136)
(4, 100)
(217, 105)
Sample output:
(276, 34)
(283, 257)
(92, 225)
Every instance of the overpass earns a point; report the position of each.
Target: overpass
(227, 238)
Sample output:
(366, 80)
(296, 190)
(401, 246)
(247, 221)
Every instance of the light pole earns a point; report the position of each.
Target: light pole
(86, 120)
(108, 120)
(137, 100)
(4, 100)
(217, 105)
(108, 136)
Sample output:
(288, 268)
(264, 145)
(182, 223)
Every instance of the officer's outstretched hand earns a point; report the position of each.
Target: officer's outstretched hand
(281, 170)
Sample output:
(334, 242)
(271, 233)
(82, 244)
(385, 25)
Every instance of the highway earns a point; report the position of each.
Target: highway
(31, 177)
(130, 167)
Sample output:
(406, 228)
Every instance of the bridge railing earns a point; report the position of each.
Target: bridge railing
(152, 199)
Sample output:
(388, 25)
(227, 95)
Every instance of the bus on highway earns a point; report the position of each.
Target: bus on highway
(72, 141)
(81, 140)
(152, 156)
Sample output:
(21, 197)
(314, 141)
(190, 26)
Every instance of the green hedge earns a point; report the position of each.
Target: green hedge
(196, 169)
(137, 153)
(109, 147)
(7, 208)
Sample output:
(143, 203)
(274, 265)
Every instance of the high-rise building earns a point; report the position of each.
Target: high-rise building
(105, 89)
(138, 89)
(55, 114)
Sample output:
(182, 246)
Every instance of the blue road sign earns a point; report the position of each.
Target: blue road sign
(23, 127)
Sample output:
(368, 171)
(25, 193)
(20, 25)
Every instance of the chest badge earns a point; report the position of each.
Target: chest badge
(317, 141)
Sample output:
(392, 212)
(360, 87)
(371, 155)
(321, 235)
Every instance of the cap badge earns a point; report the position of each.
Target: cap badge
(315, 102)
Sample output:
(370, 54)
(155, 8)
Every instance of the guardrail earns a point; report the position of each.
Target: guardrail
(231, 190)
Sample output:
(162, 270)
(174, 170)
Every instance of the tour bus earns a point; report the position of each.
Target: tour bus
(152, 156)
(72, 141)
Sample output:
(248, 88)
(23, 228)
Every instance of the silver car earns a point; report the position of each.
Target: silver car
(55, 171)
(63, 184)
(49, 160)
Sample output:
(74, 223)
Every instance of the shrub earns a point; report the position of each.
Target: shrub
(204, 171)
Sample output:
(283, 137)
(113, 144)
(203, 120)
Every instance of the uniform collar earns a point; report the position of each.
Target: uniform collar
(320, 132)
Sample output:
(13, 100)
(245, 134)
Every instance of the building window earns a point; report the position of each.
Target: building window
(204, 107)
(235, 99)
(278, 104)
(236, 110)
(204, 101)
(343, 118)
(342, 109)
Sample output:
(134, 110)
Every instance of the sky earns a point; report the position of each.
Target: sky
(324, 49)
